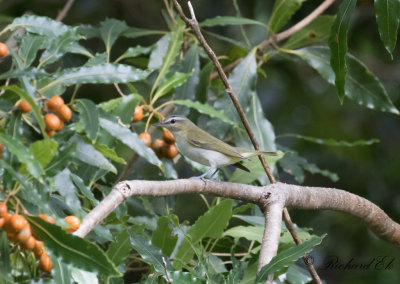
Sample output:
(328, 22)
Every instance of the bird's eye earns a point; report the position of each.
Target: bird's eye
(172, 121)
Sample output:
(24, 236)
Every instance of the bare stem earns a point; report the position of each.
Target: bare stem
(63, 13)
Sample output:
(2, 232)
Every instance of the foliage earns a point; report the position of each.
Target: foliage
(72, 171)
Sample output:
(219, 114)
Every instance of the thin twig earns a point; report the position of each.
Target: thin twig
(227, 68)
(63, 13)
(119, 90)
(169, 10)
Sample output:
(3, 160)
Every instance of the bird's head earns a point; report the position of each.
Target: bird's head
(175, 123)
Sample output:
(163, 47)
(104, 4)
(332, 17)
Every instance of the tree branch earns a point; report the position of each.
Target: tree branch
(271, 197)
(63, 13)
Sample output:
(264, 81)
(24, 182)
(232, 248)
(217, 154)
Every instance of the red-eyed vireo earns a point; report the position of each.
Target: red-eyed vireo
(201, 147)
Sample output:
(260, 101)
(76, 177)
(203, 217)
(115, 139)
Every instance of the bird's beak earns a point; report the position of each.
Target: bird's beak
(158, 124)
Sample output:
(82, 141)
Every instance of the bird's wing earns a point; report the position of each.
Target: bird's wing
(202, 139)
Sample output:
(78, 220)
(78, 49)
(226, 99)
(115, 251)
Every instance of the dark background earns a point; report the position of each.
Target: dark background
(296, 100)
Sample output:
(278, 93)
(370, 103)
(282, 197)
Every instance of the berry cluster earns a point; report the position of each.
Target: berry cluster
(20, 232)
(165, 147)
(55, 118)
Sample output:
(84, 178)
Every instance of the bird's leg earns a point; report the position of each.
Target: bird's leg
(213, 174)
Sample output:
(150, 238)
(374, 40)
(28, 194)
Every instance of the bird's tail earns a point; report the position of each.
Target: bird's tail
(250, 153)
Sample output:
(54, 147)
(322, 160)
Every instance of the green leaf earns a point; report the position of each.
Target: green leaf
(150, 253)
(57, 47)
(317, 30)
(39, 25)
(387, 18)
(332, 142)
(295, 165)
(297, 275)
(62, 271)
(162, 236)
(159, 50)
(82, 277)
(134, 51)
(89, 117)
(5, 262)
(190, 64)
(71, 249)
(44, 151)
(282, 12)
(101, 74)
(228, 20)
(204, 82)
(205, 109)
(97, 59)
(119, 249)
(110, 30)
(209, 225)
(287, 258)
(130, 139)
(338, 44)
(180, 277)
(36, 109)
(174, 47)
(89, 155)
(251, 233)
(85, 190)
(123, 107)
(64, 185)
(170, 83)
(255, 167)
(361, 85)
(30, 44)
(225, 38)
(30, 72)
(23, 154)
(109, 153)
(132, 32)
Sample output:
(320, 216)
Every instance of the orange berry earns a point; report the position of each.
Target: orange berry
(74, 222)
(55, 103)
(38, 249)
(61, 126)
(18, 222)
(3, 209)
(24, 235)
(7, 224)
(45, 263)
(12, 237)
(47, 218)
(1, 151)
(24, 106)
(64, 113)
(146, 138)
(52, 121)
(171, 151)
(29, 244)
(3, 49)
(50, 133)
(168, 137)
(138, 115)
(157, 146)
(2, 221)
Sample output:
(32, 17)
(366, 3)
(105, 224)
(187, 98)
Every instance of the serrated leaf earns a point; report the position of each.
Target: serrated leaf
(158, 52)
(100, 74)
(119, 249)
(134, 51)
(130, 139)
(133, 32)
(210, 225)
(30, 44)
(97, 59)
(170, 83)
(30, 72)
(85, 190)
(109, 153)
(36, 109)
(205, 109)
(251, 233)
(89, 155)
(57, 47)
(44, 151)
(64, 185)
(23, 154)
(228, 20)
(71, 249)
(162, 236)
(282, 12)
(317, 30)
(110, 29)
(338, 44)
(150, 253)
(287, 257)
(89, 117)
(387, 18)
(295, 165)
(361, 85)
(174, 46)
(332, 142)
(39, 25)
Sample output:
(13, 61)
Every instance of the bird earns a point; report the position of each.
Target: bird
(200, 146)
